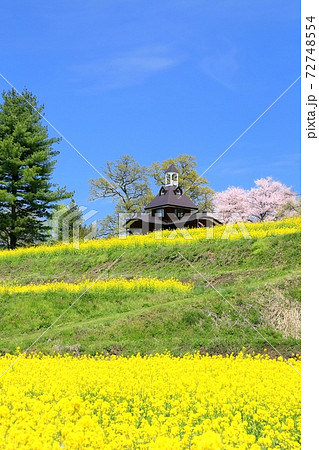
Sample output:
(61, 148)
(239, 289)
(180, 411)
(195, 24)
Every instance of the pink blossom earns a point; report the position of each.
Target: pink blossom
(232, 205)
(260, 203)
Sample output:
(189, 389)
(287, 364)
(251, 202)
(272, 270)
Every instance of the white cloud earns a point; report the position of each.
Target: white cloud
(124, 70)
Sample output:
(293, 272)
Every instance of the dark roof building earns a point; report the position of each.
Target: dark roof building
(170, 209)
(171, 196)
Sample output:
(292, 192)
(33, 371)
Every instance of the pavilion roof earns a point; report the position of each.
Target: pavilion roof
(171, 196)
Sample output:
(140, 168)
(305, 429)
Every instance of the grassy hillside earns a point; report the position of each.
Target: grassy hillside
(259, 276)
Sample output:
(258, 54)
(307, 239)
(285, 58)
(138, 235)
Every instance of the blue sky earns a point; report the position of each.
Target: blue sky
(154, 79)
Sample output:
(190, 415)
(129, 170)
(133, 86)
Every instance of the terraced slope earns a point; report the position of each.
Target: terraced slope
(259, 277)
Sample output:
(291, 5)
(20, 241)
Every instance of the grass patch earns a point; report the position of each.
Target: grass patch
(259, 277)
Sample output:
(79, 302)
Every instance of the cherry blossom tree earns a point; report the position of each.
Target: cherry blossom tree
(232, 205)
(267, 198)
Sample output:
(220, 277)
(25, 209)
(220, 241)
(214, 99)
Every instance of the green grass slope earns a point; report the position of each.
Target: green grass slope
(260, 278)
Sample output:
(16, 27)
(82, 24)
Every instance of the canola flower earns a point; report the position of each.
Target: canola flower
(153, 402)
(135, 284)
(167, 237)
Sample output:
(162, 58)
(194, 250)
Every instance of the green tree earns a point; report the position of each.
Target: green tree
(126, 183)
(64, 221)
(193, 185)
(289, 209)
(27, 195)
(109, 226)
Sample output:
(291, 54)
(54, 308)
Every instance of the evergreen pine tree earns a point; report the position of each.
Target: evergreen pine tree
(27, 195)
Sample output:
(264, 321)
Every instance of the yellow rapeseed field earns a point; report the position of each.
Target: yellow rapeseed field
(135, 284)
(167, 237)
(155, 402)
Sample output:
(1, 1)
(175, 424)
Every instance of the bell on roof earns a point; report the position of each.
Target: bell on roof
(171, 176)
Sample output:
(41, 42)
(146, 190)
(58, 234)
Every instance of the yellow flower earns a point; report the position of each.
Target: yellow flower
(135, 284)
(154, 402)
(169, 237)
(207, 441)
